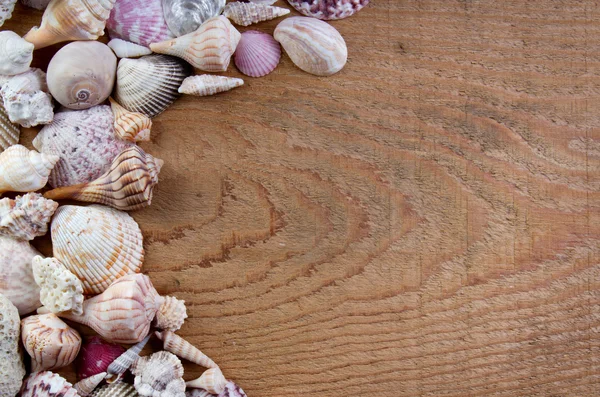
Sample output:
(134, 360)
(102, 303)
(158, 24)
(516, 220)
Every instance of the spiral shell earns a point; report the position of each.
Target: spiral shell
(122, 363)
(126, 49)
(328, 9)
(47, 384)
(232, 390)
(26, 98)
(138, 21)
(9, 132)
(181, 348)
(96, 355)
(171, 314)
(12, 369)
(120, 389)
(160, 374)
(208, 84)
(212, 380)
(185, 16)
(246, 14)
(16, 276)
(60, 290)
(6, 9)
(86, 386)
(130, 126)
(24, 170)
(16, 53)
(257, 54)
(26, 217)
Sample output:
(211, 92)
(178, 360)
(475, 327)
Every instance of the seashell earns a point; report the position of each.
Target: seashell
(98, 244)
(9, 132)
(212, 380)
(50, 342)
(181, 348)
(85, 142)
(24, 170)
(82, 74)
(86, 386)
(126, 49)
(26, 99)
(26, 217)
(159, 375)
(313, 45)
(149, 85)
(96, 355)
(46, 384)
(119, 389)
(209, 48)
(208, 84)
(70, 20)
(12, 369)
(60, 290)
(232, 390)
(171, 314)
(16, 277)
(130, 126)
(245, 14)
(257, 54)
(185, 16)
(122, 363)
(198, 393)
(16, 53)
(265, 2)
(328, 9)
(6, 9)
(127, 22)
(37, 4)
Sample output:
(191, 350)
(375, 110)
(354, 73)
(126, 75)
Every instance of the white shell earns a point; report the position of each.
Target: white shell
(208, 84)
(16, 276)
(211, 380)
(26, 217)
(47, 384)
(12, 369)
(26, 99)
(246, 14)
(160, 374)
(6, 9)
(9, 132)
(122, 363)
(86, 386)
(127, 49)
(60, 290)
(24, 170)
(16, 53)
(175, 344)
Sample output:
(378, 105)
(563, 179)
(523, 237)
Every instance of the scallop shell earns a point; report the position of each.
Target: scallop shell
(60, 290)
(160, 374)
(85, 142)
(313, 45)
(24, 170)
(181, 348)
(120, 389)
(185, 16)
(130, 126)
(257, 54)
(12, 369)
(26, 98)
(6, 9)
(149, 85)
(171, 314)
(37, 4)
(16, 53)
(86, 386)
(82, 74)
(328, 9)
(26, 217)
(70, 20)
(96, 355)
(47, 384)
(126, 49)
(98, 244)
(212, 380)
(9, 132)
(139, 21)
(16, 276)
(208, 84)
(209, 48)
(122, 363)
(127, 185)
(246, 14)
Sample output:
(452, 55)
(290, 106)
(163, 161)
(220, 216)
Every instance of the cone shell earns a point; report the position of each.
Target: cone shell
(208, 84)
(257, 54)
(26, 98)
(47, 384)
(185, 16)
(6, 9)
(24, 170)
(96, 355)
(245, 14)
(16, 53)
(9, 132)
(60, 290)
(130, 126)
(171, 314)
(181, 348)
(314, 46)
(26, 217)
(209, 48)
(159, 373)
(127, 49)
(120, 389)
(122, 363)
(16, 277)
(86, 386)
(70, 20)
(212, 380)
(328, 9)
(128, 22)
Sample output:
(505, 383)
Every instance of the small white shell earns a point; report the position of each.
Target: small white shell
(6, 9)
(47, 384)
(16, 276)
(159, 375)
(208, 84)
(171, 314)
(211, 380)
(16, 53)
(60, 290)
(175, 344)
(127, 49)
(26, 99)
(24, 170)
(9, 132)
(26, 217)
(246, 14)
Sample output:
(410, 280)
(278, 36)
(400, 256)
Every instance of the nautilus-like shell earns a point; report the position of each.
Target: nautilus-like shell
(12, 369)
(160, 374)
(185, 16)
(9, 132)
(16, 53)
(257, 54)
(16, 277)
(212, 380)
(119, 389)
(37, 4)
(208, 84)
(96, 355)
(328, 9)
(209, 48)
(26, 98)
(82, 74)
(127, 49)
(130, 126)
(60, 290)
(26, 217)
(122, 363)
(245, 14)
(86, 386)
(181, 348)
(6, 9)
(24, 170)
(139, 21)
(47, 384)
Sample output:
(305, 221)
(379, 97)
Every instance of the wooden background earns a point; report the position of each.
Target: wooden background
(424, 223)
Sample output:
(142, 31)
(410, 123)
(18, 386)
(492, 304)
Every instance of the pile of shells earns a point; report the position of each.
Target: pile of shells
(88, 152)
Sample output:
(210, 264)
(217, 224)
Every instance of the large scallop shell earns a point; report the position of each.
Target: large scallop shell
(26, 98)
(120, 389)
(246, 14)
(130, 126)
(26, 217)
(16, 276)
(149, 85)
(6, 9)
(24, 170)
(98, 244)
(328, 9)
(16, 53)
(139, 21)
(257, 54)
(127, 49)
(9, 132)
(208, 84)
(159, 374)
(82, 74)
(96, 355)
(47, 384)
(185, 16)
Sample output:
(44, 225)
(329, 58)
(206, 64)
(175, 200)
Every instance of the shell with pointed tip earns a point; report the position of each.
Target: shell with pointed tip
(209, 48)
(212, 380)
(257, 54)
(37, 4)
(122, 363)
(127, 49)
(86, 386)
(120, 389)
(130, 126)
(160, 374)
(47, 384)
(96, 355)
(185, 16)
(208, 84)
(85, 142)
(171, 314)
(16, 276)
(16, 53)
(9, 132)
(70, 20)
(98, 244)
(26, 217)
(149, 84)
(60, 290)
(246, 14)
(82, 74)
(181, 348)
(328, 9)
(6, 9)
(313, 45)
(26, 98)
(12, 369)
(127, 22)
(24, 170)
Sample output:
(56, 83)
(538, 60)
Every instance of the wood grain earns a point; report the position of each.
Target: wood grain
(424, 223)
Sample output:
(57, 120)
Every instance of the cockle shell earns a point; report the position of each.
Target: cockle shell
(208, 84)
(122, 363)
(139, 21)
(82, 74)
(6, 9)
(130, 126)
(9, 132)
(245, 14)
(328, 9)
(16, 53)
(16, 276)
(47, 384)
(185, 16)
(69, 20)
(86, 386)
(24, 170)
(26, 217)
(257, 54)
(127, 49)
(26, 98)
(209, 48)
(159, 375)
(50, 342)
(149, 84)
(98, 244)
(120, 389)
(181, 348)
(212, 380)
(60, 290)
(313, 45)
(85, 142)
(96, 355)
(37, 4)
(12, 369)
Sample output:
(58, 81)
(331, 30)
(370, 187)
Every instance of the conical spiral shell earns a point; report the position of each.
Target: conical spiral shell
(96, 243)
(127, 185)
(60, 290)
(212, 380)
(130, 126)
(70, 20)
(16, 276)
(181, 348)
(86, 386)
(16, 53)
(209, 48)
(122, 363)
(9, 132)
(47, 384)
(171, 314)
(26, 217)
(257, 54)
(149, 84)
(159, 374)
(6, 9)
(139, 21)
(208, 84)
(120, 389)
(24, 170)
(127, 49)
(245, 14)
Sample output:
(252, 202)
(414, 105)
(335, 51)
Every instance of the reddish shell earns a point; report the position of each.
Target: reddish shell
(96, 355)
(257, 54)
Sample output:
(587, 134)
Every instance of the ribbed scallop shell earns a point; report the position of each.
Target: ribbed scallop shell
(181, 348)
(16, 276)
(6, 9)
(185, 16)
(246, 14)
(328, 9)
(149, 85)
(139, 21)
(159, 373)
(16, 53)
(9, 132)
(208, 84)
(211, 380)
(130, 126)
(96, 355)
(257, 54)
(98, 244)
(47, 384)
(26, 217)
(24, 170)
(127, 49)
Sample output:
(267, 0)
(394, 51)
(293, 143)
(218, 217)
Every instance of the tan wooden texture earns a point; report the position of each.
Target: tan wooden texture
(424, 223)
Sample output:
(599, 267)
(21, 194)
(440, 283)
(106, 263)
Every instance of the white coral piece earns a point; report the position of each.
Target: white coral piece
(12, 369)
(26, 217)
(6, 9)
(159, 375)
(26, 98)
(60, 290)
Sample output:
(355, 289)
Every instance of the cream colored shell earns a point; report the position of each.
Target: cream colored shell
(26, 217)
(16, 277)
(208, 84)
(130, 126)
(9, 132)
(181, 348)
(12, 369)
(126, 49)
(47, 384)
(16, 53)
(60, 290)
(171, 314)
(86, 386)
(160, 374)
(24, 170)
(212, 380)
(246, 14)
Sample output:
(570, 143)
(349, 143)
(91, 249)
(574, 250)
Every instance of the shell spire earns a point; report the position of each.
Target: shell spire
(16, 53)
(208, 84)
(212, 380)
(180, 347)
(26, 217)
(122, 363)
(86, 386)
(246, 14)
(46, 384)
(171, 314)
(24, 170)
(130, 126)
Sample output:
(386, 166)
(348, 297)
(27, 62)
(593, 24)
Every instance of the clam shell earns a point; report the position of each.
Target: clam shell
(16, 276)
(139, 21)
(257, 54)
(12, 369)
(149, 85)
(126, 49)
(212, 380)
(158, 373)
(120, 389)
(26, 217)
(185, 16)
(24, 170)
(208, 84)
(328, 9)
(96, 243)
(175, 344)
(86, 386)
(130, 126)
(60, 290)
(6, 9)
(9, 132)
(16, 53)
(96, 355)
(82, 74)
(313, 45)
(37, 4)
(26, 98)
(47, 384)
(246, 14)
(122, 363)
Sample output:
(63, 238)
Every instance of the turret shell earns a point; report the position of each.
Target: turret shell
(60, 290)
(185, 16)
(208, 84)
(246, 14)
(122, 363)
(86, 386)
(128, 22)
(181, 348)
(16, 53)
(16, 277)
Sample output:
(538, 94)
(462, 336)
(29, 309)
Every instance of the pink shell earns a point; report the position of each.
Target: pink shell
(96, 355)
(257, 54)
(232, 390)
(328, 9)
(138, 21)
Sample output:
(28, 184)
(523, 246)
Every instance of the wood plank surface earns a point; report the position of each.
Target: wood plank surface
(424, 223)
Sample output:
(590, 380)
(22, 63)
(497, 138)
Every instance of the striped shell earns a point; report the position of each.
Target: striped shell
(208, 84)
(126, 49)
(120, 389)
(130, 126)
(328, 9)
(24, 170)
(138, 21)
(175, 344)
(211, 380)
(246, 14)
(9, 132)
(47, 384)
(86, 386)
(257, 54)
(121, 364)
(185, 16)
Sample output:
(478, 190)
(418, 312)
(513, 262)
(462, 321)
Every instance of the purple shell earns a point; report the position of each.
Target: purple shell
(232, 390)
(328, 9)
(138, 21)
(257, 54)
(96, 355)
